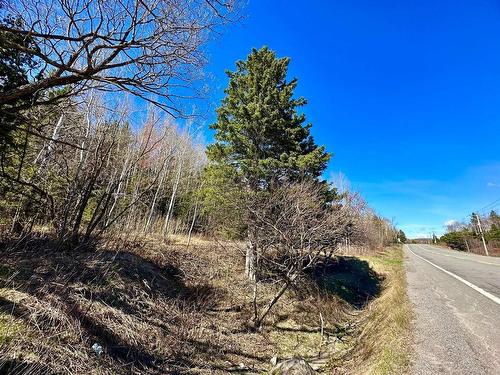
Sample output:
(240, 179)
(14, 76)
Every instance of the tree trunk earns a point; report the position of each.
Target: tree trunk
(75, 233)
(120, 183)
(258, 321)
(254, 302)
(192, 224)
(162, 172)
(250, 260)
(172, 199)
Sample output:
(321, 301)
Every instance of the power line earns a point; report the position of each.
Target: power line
(483, 211)
(490, 208)
(488, 205)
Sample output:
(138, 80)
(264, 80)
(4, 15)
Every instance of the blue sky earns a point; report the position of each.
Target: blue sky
(406, 94)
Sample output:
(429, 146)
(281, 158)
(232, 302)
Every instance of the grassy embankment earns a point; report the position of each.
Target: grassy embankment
(165, 308)
(158, 308)
(384, 342)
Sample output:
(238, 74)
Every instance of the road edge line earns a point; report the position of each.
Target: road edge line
(468, 260)
(468, 283)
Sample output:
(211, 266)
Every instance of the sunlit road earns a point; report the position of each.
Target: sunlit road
(456, 304)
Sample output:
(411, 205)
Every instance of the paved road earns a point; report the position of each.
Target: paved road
(456, 300)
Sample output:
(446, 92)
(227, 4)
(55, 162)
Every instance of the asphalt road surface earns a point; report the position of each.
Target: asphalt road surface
(456, 305)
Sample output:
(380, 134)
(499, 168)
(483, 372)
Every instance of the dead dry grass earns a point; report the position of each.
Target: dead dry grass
(383, 340)
(155, 308)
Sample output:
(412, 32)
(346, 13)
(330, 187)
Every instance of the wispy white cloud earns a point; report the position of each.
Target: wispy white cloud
(493, 184)
(450, 222)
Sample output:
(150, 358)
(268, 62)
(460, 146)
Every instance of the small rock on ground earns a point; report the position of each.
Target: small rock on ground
(293, 366)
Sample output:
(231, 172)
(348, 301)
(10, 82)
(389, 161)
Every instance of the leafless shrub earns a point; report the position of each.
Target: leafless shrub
(294, 230)
(366, 231)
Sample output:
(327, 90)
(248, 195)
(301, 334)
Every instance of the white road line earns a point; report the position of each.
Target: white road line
(476, 288)
(453, 256)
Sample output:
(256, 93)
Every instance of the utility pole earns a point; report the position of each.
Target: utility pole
(467, 244)
(481, 233)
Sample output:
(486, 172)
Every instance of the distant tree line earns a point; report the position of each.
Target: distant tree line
(466, 236)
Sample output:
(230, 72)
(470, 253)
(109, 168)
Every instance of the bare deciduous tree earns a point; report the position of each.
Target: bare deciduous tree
(294, 230)
(113, 171)
(365, 231)
(150, 48)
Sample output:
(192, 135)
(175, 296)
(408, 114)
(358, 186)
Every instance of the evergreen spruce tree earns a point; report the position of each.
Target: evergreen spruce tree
(260, 133)
(15, 69)
(402, 236)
